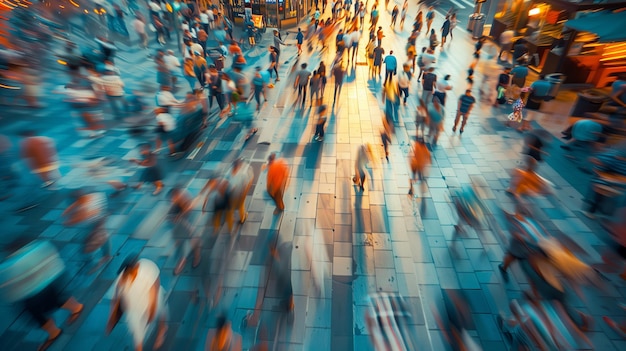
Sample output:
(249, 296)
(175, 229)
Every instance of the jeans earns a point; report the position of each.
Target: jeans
(301, 93)
(388, 75)
(405, 92)
(219, 97)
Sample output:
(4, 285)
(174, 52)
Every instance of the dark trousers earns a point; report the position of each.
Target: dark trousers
(301, 93)
(405, 92)
(273, 69)
(219, 97)
(319, 128)
(337, 91)
(388, 75)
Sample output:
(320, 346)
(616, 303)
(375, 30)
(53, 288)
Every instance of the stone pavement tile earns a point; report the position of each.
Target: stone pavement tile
(386, 280)
(479, 259)
(447, 278)
(407, 285)
(342, 249)
(441, 257)
(342, 266)
(486, 326)
(318, 313)
(316, 339)
(383, 259)
(420, 248)
(364, 260)
(468, 281)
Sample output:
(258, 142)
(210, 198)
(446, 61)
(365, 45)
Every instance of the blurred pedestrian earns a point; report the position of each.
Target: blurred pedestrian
(436, 114)
(299, 40)
(33, 274)
(277, 177)
(185, 235)
(464, 108)
(321, 69)
(405, 8)
(258, 86)
(320, 123)
(453, 23)
(338, 76)
(140, 29)
(301, 83)
(429, 84)
(432, 40)
(140, 297)
(430, 16)
(394, 16)
(114, 88)
(391, 67)
(273, 62)
(517, 116)
(391, 98)
(216, 87)
(90, 208)
(314, 87)
(378, 59)
(419, 162)
(189, 74)
(404, 81)
(152, 172)
(166, 125)
(200, 67)
(385, 136)
(441, 89)
(363, 157)
(240, 178)
(445, 30)
(40, 154)
(369, 55)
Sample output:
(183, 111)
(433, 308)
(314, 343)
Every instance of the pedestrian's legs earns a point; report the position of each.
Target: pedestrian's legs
(456, 120)
(257, 97)
(465, 116)
(405, 92)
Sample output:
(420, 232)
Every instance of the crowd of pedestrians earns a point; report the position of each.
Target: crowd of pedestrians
(102, 88)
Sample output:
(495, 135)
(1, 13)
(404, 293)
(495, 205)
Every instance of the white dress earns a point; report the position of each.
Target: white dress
(135, 302)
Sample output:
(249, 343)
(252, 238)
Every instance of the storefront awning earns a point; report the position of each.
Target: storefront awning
(609, 27)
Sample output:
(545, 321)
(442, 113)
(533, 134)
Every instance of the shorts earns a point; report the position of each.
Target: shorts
(46, 301)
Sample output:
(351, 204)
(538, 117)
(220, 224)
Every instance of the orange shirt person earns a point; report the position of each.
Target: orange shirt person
(41, 155)
(277, 176)
(419, 162)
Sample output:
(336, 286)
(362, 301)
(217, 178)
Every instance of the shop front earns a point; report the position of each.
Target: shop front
(594, 49)
(542, 24)
(275, 13)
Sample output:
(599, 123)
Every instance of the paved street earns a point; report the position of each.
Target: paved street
(345, 244)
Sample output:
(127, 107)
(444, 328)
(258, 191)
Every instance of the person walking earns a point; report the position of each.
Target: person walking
(405, 8)
(419, 162)
(378, 60)
(321, 123)
(182, 203)
(453, 23)
(140, 297)
(391, 67)
(429, 82)
(140, 29)
(301, 83)
(40, 153)
(189, 74)
(394, 16)
(314, 87)
(404, 81)
(391, 98)
(445, 30)
(90, 209)
(363, 156)
(436, 114)
(355, 36)
(506, 44)
(432, 40)
(173, 65)
(338, 75)
(114, 89)
(321, 69)
(430, 16)
(299, 40)
(166, 125)
(273, 63)
(152, 171)
(369, 55)
(258, 86)
(200, 67)
(216, 90)
(240, 178)
(517, 116)
(464, 108)
(277, 43)
(374, 14)
(441, 89)
(379, 36)
(277, 177)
